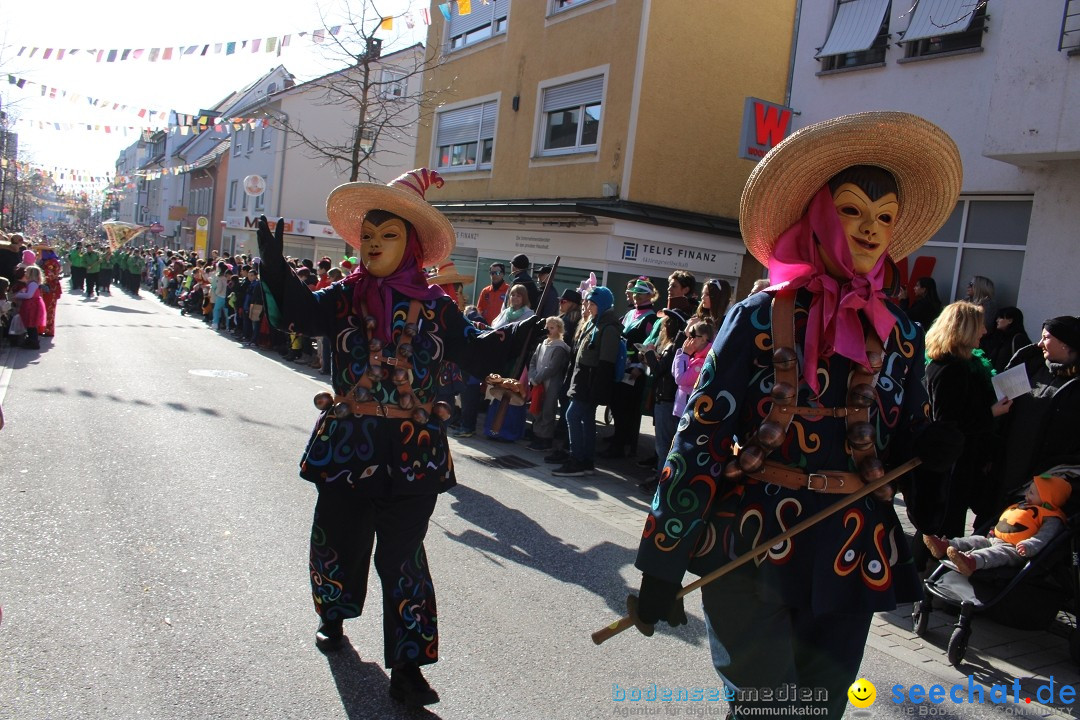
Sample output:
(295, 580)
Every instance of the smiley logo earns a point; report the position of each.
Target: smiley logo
(862, 693)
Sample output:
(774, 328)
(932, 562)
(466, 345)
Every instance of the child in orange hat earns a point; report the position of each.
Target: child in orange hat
(1023, 529)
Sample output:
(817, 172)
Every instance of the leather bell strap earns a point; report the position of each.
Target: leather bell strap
(376, 409)
(833, 482)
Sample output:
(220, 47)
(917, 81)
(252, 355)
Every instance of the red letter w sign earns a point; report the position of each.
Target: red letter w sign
(764, 125)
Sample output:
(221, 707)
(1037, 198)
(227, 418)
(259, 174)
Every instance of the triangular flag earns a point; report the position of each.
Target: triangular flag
(167, 54)
(230, 48)
(444, 8)
(154, 54)
(335, 30)
(271, 44)
(48, 52)
(318, 36)
(137, 54)
(255, 45)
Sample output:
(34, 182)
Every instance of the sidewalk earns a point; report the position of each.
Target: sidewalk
(996, 653)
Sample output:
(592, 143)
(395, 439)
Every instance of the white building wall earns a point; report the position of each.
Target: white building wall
(1017, 100)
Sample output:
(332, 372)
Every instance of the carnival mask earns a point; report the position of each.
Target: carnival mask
(383, 246)
(868, 226)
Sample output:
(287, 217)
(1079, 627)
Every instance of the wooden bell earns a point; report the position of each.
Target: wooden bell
(370, 323)
(342, 410)
(406, 402)
(442, 410)
(324, 401)
(732, 471)
(409, 330)
(770, 435)
(871, 469)
(420, 415)
(375, 345)
(362, 394)
(862, 395)
(784, 358)
(782, 394)
(861, 435)
(751, 458)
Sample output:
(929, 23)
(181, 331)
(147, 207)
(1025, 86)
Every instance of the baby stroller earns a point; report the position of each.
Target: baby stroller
(1027, 597)
(191, 302)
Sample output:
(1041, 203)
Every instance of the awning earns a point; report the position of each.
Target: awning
(856, 25)
(934, 18)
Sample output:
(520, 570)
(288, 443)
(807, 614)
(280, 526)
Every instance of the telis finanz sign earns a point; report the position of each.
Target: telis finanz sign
(764, 124)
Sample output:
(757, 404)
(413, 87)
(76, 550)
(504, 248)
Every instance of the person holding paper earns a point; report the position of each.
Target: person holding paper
(958, 383)
(1041, 431)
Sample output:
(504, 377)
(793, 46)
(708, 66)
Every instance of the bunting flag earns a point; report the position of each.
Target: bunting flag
(464, 7)
(272, 44)
(387, 24)
(444, 8)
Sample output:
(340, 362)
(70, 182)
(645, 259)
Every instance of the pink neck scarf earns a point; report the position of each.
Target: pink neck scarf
(834, 324)
(374, 292)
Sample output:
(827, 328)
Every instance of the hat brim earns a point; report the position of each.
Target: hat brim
(451, 279)
(348, 204)
(922, 158)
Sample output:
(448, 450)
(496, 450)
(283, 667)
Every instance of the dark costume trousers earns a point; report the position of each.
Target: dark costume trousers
(346, 528)
(626, 415)
(780, 644)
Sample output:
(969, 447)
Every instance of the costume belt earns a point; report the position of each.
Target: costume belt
(378, 409)
(824, 481)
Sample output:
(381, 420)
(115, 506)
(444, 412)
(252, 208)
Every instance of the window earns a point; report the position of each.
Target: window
(260, 200)
(251, 139)
(267, 135)
(571, 116)
(234, 187)
(941, 26)
(983, 236)
(393, 85)
(244, 198)
(558, 6)
(237, 146)
(465, 137)
(859, 35)
(483, 22)
(1070, 28)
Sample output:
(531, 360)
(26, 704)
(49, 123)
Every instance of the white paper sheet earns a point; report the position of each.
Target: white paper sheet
(1012, 383)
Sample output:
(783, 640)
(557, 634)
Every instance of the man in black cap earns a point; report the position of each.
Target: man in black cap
(519, 275)
(551, 303)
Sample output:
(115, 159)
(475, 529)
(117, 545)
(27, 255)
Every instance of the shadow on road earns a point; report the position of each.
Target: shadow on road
(364, 688)
(520, 539)
(117, 308)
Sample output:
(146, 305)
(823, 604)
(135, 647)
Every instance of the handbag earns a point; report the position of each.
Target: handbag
(255, 311)
(17, 327)
(536, 399)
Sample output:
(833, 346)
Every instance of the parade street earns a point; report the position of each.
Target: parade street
(154, 540)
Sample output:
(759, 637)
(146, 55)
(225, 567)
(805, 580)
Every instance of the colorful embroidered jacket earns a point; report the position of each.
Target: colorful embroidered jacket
(385, 456)
(856, 560)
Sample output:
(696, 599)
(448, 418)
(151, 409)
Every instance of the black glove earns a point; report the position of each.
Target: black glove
(271, 244)
(939, 446)
(657, 600)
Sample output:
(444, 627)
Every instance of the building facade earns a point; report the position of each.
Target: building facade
(1003, 79)
(602, 131)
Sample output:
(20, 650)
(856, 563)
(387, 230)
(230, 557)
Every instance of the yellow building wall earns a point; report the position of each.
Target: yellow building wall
(527, 55)
(703, 58)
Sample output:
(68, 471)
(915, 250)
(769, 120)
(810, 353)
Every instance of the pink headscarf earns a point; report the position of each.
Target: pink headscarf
(833, 325)
(408, 280)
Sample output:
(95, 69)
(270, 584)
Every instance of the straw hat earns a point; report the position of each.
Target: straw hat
(448, 275)
(922, 158)
(349, 203)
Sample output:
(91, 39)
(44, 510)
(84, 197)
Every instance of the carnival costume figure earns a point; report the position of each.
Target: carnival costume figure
(378, 453)
(51, 289)
(811, 390)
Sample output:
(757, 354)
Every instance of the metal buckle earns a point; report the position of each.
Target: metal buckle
(380, 410)
(810, 482)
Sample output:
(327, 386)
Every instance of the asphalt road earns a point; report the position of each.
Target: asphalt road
(153, 554)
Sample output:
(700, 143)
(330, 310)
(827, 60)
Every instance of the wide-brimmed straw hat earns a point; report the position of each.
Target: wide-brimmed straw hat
(922, 158)
(348, 204)
(448, 275)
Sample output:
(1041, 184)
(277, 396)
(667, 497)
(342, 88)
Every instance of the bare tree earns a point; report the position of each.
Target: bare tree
(384, 96)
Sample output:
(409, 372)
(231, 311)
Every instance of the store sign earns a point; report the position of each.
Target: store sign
(764, 125)
(323, 230)
(297, 226)
(700, 261)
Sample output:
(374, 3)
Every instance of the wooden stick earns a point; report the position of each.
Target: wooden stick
(519, 364)
(627, 622)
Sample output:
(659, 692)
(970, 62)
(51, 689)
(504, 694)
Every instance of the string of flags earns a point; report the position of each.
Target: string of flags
(273, 44)
(74, 97)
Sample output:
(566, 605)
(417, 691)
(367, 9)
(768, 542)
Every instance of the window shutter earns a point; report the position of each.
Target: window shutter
(481, 15)
(487, 123)
(459, 126)
(933, 18)
(856, 25)
(502, 8)
(575, 94)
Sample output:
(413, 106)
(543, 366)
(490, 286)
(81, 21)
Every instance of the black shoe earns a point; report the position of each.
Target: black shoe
(647, 462)
(573, 468)
(539, 445)
(407, 685)
(329, 635)
(557, 457)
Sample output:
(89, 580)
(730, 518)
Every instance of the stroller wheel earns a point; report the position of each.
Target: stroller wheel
(958, 644)
(920, 617)
(1074, 646)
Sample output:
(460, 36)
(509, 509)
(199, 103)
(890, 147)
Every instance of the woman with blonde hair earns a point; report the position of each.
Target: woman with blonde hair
(980, 290)
(517, 307)
(32, 306)
(958, 382)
